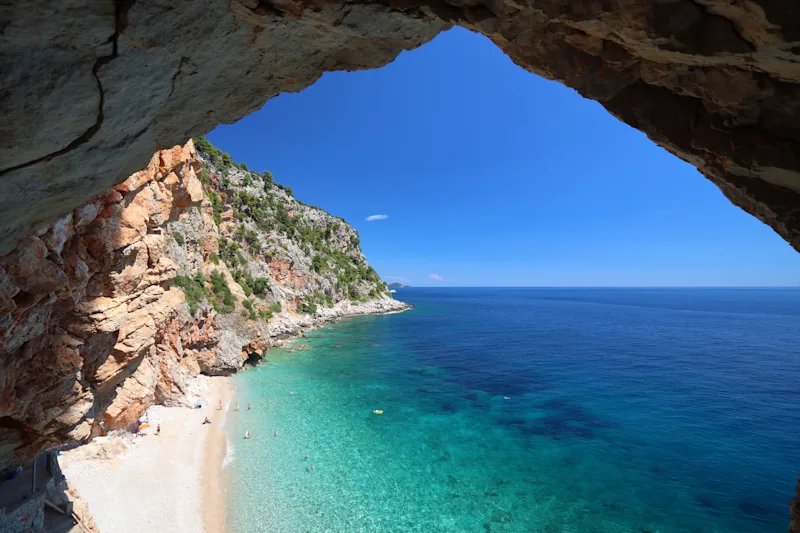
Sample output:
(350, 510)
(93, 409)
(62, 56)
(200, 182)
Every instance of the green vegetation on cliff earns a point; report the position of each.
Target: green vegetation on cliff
(276, 247)
(196, 290)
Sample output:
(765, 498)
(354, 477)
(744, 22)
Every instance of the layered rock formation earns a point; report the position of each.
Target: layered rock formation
(84, 341)
(89, 94)
(95, 329)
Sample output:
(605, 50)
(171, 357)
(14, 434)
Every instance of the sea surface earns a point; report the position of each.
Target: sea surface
(529, 410)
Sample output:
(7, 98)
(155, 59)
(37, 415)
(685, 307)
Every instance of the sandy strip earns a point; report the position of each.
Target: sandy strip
(159, 483)
(214, 485)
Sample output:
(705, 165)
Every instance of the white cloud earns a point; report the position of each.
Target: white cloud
(377, 217)
(435, 277)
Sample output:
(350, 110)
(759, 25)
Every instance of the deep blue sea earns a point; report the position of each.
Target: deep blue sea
(529, 410)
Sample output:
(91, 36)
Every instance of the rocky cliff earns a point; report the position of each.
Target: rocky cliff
(192, 265)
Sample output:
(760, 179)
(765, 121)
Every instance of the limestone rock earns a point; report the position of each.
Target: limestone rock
(85, 305)
(93, 333)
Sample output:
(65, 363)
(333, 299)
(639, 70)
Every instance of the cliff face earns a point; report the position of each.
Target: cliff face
(119, 304)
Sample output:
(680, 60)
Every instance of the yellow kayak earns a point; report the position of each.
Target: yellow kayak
(378, 411)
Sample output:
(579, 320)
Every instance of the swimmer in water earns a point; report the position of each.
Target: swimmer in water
(305, 457)
(276, 432)
(247, 435)
(237, 406)
(310, 468)
(249, 407)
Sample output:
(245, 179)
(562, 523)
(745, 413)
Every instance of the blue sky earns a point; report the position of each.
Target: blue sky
(492, 176)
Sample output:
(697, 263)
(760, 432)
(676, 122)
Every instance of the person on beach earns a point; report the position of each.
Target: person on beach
(237, 406)
(220, 406)
(158, 430)
(247, 435)
(249, 407)
(206, 421)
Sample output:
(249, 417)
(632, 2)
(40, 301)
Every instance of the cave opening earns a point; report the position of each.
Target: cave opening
(88, 103)
(457, 143)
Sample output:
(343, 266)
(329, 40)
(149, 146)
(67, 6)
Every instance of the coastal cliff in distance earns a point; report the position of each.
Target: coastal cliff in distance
(193, 265)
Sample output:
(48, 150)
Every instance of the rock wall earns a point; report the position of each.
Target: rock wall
(94, 330)
(90, 92)
(84, 344)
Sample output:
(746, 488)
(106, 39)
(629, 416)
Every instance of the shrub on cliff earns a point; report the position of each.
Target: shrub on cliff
(216, 206)
(194, 289)
(229, 251)
(252, 239)
(318, 263)
(282, 216)
(219, 285)
(251, 312)
(288, 190)
(260, 286)
(245, 281)
(202, 144)
(203, 177)
(306, 307)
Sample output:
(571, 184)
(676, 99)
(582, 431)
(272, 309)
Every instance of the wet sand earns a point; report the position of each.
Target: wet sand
(215, 491)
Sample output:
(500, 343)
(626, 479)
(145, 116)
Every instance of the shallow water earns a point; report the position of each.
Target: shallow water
(627, 410)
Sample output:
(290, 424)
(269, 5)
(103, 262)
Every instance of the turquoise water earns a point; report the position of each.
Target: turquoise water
(628, 410)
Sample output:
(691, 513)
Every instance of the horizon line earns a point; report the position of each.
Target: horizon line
(601, 287)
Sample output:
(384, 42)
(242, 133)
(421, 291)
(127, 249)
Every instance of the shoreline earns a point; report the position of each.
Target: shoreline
(176, 481)
(289, 328)
(168, 483)
(215, 490)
